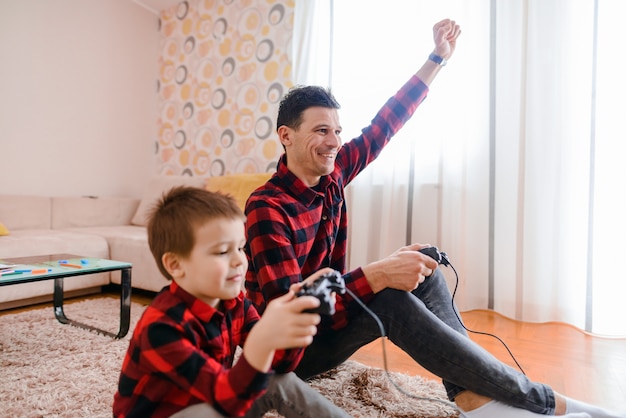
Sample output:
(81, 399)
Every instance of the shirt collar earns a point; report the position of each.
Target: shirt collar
(297, 187)
(200, 309)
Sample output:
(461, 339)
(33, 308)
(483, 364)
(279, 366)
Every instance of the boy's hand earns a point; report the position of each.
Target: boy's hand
(313, 277)
(283, 325)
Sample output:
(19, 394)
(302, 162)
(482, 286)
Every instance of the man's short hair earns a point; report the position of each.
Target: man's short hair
(178, 213)
(299, 99)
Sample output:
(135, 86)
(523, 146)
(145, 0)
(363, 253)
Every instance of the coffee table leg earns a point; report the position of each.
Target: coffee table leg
(124, 303)
(124, 307)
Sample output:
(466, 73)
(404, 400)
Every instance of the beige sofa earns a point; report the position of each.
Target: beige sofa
(105, 227)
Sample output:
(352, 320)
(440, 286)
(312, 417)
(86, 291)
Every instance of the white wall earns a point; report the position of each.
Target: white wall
(77, 97)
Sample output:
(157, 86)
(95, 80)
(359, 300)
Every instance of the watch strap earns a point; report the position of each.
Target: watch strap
(437, 59)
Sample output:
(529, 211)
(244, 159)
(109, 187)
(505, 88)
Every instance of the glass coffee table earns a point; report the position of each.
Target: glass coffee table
(57, 267)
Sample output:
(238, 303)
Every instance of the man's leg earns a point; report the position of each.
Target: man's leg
(292, 397)
(438, 344)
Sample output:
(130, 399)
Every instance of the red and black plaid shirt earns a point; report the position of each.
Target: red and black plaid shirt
(294, 230)
(181, 353)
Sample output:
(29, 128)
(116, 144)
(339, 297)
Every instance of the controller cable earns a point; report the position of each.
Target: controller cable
(383, 335)
(456, 286)
(386, 368)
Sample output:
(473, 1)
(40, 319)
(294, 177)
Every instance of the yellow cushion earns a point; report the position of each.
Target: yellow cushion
(239, 186)
(3, 230)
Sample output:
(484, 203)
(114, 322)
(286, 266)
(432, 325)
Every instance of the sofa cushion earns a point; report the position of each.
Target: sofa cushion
(155, 190)
(25, 212)
(239, 186)
(72, 212)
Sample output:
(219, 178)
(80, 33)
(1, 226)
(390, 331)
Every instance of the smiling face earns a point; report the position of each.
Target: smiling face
(312, 148)
(215, 267)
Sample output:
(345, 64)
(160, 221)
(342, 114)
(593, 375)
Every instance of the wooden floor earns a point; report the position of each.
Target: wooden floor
(574, 363)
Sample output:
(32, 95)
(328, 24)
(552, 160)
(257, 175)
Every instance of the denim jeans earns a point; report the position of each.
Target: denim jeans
(423, 323)
(286, 393)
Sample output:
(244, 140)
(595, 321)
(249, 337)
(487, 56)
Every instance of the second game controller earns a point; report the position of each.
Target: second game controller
(434, 253)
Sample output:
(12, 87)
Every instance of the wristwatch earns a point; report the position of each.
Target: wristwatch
(437, 59)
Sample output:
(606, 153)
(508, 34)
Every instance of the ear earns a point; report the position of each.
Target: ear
(285, 135)
(171, 262)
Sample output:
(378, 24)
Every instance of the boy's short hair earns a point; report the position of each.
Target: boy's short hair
(174, 218)
(299, 99)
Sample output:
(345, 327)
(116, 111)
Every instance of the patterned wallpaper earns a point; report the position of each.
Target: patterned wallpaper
(224, 65)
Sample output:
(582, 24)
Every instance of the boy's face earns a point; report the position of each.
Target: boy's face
(215, 269)
(312, 149)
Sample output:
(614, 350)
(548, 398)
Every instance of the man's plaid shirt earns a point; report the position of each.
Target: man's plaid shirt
(294, 230)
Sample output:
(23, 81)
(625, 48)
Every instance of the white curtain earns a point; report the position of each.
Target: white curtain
(511, 165)
(559, 195)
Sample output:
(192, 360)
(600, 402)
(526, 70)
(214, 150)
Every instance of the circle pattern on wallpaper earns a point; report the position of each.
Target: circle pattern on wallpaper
(204, 27)
(243, 123)
(190, 44)
(250, 22)
(243, 147)
(168, 71)
(263, 127)
(171, 48)
(188, 110)
(219, 98)
(180, 139)
(264, 50)
(166, 134)
(182, 10)
(207, 70)
(245, 48)
(217, 168)
(228, 66)
(227, 138)
(201, 162)
(219, 28)
(276, 14)
(246, 165)
(181, 74)
(248, 98)
(204, 138)
(169, 111)
(202, 95)
(275, 92)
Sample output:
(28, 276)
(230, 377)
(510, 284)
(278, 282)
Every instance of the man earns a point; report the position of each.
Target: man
(296, 225)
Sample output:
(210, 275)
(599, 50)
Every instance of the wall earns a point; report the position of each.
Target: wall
(77, 97)
(223, 67)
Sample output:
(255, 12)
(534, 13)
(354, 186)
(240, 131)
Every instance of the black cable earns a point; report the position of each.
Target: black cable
(479, 332)
(383, 336)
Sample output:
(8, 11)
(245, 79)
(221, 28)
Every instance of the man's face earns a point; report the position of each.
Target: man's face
(312, 149)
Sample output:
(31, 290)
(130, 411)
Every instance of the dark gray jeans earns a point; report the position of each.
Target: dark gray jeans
(423, 324)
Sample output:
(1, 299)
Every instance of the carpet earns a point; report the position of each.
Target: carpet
(53, 370)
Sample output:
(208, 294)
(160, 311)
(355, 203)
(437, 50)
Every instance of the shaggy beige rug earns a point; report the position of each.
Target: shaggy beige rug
(52, 370)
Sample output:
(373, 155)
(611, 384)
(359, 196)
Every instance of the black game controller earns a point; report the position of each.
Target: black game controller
(322, 289)
(435, 254)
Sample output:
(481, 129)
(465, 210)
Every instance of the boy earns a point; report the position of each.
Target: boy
(180, 358)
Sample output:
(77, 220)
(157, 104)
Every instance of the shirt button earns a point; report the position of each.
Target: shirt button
(324, 217)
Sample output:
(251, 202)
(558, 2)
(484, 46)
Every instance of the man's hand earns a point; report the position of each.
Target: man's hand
(404, 270)
(445, 34)
(283, 325)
